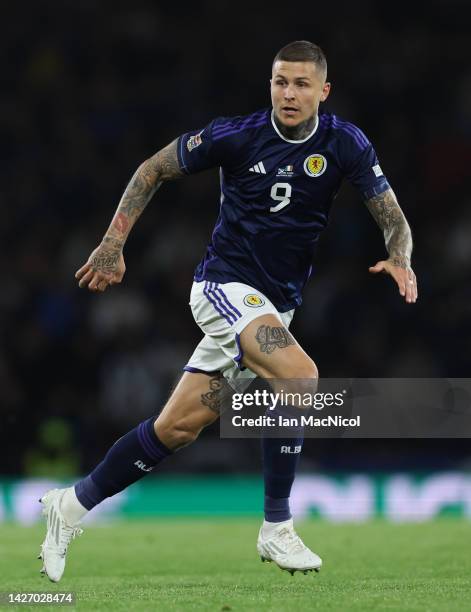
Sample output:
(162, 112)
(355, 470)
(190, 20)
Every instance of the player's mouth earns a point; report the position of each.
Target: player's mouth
(290, 110)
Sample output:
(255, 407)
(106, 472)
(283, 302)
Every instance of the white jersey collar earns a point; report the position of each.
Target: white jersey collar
(314, 130)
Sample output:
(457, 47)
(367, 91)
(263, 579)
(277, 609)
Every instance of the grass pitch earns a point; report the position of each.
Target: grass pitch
(212, 565)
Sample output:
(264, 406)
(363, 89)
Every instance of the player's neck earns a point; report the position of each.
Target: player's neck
(296, 132)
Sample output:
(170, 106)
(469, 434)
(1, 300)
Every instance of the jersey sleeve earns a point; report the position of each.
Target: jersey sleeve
(202, 149)
(361, 164)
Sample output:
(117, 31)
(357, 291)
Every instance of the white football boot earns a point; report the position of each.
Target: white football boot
(279, 542)
(58, 536)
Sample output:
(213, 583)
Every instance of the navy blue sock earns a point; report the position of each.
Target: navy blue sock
(128, 460)
(280, 460)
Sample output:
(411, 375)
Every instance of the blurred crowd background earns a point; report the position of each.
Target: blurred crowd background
(91, 89)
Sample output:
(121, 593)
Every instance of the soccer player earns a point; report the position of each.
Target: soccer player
(280, 170)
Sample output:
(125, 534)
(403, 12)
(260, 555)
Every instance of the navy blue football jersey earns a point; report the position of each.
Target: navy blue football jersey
(276, 195)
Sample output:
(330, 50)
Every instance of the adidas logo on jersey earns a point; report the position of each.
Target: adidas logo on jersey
(258, 168)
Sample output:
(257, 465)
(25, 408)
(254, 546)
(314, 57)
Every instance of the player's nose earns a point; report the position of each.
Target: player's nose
(289, 93)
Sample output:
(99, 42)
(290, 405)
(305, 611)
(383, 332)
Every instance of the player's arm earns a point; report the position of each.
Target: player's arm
(398, 239)
(105, 266)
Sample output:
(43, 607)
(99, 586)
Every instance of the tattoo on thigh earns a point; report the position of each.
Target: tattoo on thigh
(212, 399)
(271, 338)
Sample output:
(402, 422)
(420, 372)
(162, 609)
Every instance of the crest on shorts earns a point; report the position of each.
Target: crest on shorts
(253, 300)
(194, 141)
(315, 165)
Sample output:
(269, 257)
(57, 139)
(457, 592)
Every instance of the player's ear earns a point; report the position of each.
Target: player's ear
(325, 91)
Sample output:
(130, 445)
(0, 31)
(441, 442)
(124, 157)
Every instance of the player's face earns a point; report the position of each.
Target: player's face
(297, 88)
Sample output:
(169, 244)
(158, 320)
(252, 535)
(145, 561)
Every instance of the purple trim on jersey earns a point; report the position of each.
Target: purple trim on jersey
(357, 136)
(216, 304)
(181, 161)
(224, 297)
(233, 124)
(228, 308)
(146, 442)
(193, 370)
(240, 128)
(352, 130)
(239, 357)
(218, 223)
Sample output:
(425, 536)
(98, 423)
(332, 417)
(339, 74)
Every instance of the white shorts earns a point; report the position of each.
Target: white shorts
(222, 311)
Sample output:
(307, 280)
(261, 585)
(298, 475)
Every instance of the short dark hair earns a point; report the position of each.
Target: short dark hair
(302, 51)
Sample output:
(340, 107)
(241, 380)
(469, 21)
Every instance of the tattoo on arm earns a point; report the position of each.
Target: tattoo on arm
(212, 399)
(391, 220)
(271, 338)
(163, 166)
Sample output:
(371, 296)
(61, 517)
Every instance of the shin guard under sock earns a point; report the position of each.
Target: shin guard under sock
(128, 460)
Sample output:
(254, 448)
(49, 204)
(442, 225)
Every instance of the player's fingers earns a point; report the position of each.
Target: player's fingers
(401, 283)
(378, 267)
(413, 286)
(409, 290)
(85, 278)
(96, 281)
(102, 285)
(81, 271)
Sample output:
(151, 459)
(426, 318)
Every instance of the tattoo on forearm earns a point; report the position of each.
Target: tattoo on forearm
(121, 223)
(163, 166)
(391, 220)
(213, 398)
(113, 243)
(271, 338)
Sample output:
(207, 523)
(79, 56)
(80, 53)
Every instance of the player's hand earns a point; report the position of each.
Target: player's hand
(404, 277)
(105, 267)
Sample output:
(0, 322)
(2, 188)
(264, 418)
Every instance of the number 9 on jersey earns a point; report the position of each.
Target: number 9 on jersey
(280, 192)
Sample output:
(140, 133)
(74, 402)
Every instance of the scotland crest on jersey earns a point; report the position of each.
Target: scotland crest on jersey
(315, 165)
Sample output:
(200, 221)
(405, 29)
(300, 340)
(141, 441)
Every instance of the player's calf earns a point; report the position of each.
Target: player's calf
(195, 404)
(132, 457)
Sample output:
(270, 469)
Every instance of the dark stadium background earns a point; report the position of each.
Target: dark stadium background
(90, 89)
